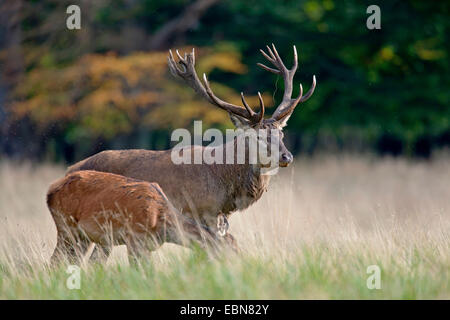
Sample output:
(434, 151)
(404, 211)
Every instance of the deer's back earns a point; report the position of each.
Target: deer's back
(190, 187)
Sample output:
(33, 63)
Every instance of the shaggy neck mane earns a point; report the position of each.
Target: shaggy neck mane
(244, 183)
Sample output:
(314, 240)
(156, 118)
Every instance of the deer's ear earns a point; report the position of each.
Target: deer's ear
(239, 122)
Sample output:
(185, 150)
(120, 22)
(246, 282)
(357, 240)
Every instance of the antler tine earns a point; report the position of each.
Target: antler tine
(295, 65)
(172, 65)
(276, 71)
(266, 55)
(193, 56)
(271, 53)
(249, 110)
(179, 56)
(299, 98)
(310, 91)
(277, 57)
(262, 109)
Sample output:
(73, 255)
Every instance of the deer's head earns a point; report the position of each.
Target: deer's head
(245, 117)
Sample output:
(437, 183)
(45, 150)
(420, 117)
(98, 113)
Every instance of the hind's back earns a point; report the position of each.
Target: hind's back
(99, 197)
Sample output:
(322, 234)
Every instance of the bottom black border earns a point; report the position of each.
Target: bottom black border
(226, 309)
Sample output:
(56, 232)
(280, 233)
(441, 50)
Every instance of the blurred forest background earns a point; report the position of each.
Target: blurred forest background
(66, 94)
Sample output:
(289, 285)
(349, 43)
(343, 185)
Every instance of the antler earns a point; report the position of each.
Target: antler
(185, 70)
(288, 104)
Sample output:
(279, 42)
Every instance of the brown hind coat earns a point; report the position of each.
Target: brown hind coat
(111, 209)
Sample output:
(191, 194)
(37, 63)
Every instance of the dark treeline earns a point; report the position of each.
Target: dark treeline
(65, 94)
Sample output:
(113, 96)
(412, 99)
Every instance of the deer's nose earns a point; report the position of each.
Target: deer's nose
(286, 158)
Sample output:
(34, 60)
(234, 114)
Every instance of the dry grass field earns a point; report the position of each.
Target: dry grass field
(323, 221)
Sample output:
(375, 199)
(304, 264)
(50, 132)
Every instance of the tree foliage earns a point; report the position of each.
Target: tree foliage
(105, 86)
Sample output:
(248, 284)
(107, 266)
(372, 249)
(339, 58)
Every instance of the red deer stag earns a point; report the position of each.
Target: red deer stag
(107, 209)
(210, 192)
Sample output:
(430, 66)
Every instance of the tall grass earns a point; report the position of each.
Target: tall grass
(312, 235)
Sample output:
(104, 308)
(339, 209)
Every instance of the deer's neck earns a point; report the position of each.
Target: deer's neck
(244, 183)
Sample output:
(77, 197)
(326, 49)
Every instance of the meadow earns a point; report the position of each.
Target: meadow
(322, 223)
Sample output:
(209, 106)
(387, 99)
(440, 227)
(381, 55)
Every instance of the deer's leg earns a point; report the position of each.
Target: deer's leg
(100, 233)
(134, 253)
(69, 246)
(140, 244)
(188, 232)
(64, 249)
(67, 239)
(229, 241)
(101, 253)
